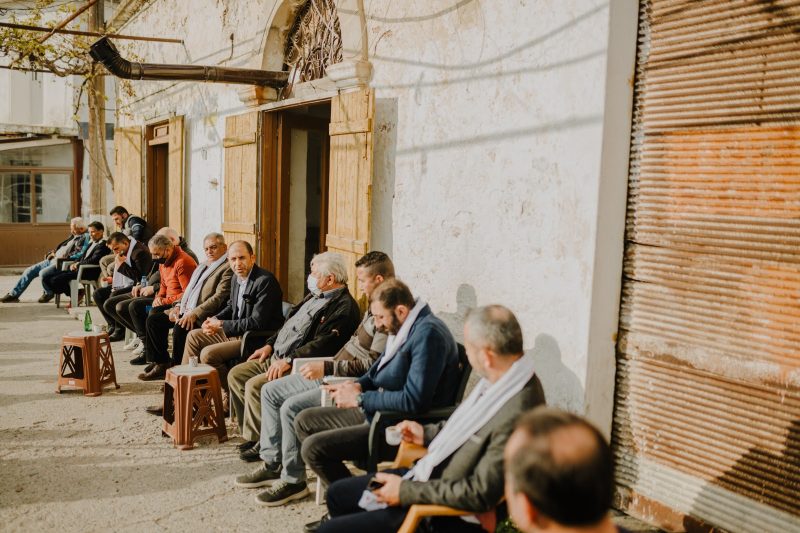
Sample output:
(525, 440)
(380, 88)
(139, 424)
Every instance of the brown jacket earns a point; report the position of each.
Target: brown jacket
(214, 292)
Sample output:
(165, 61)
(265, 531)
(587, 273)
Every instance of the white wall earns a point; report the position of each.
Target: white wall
(493, 146)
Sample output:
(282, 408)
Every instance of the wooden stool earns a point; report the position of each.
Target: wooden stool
(86, 362)
(193, 405)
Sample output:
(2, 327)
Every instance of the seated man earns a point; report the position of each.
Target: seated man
(255, 303)
(208, 290)
(132, 260)
(417, 371)
(464, 464)
(175, 269)
(130, 226)
(282, 399)
(58, 283)
(135, 310)
(559, 474)
(70, 248)
(316, 327)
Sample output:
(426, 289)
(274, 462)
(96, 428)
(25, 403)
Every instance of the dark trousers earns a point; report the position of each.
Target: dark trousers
(329, 437)
(158, 325)
(347, 516)
(59, 283)
(107, 300)
(131, 313)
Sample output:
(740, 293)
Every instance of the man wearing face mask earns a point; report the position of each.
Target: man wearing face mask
(316, 327)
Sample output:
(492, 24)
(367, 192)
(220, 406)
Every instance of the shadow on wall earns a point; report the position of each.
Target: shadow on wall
(466, 299)
(762, 475)
(384, 153)
(562, 388)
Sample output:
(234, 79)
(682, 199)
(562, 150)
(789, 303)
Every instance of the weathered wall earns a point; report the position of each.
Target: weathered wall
(493, 146)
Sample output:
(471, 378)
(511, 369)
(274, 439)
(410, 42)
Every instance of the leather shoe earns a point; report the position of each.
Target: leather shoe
(251, 455)
(312, 527)
(246, 445)
(149, 367)
(157, 372)
(157, 410)
(141, 360)
(10, 299)
(44, 298)
(116, 335)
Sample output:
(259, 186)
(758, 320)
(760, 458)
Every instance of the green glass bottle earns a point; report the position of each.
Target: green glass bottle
(87, 321)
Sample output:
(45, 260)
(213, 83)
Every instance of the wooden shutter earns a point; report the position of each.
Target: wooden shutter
(240, 204)
(707, 416)
(175, 216)
(128, 174)
(350, 185)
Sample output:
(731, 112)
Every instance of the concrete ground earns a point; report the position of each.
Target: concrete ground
(74, 463)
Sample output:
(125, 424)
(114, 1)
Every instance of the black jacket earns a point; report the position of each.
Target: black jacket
(330, 328)
(137, 228)
(262, 304)
(99, 251)
(141, 262)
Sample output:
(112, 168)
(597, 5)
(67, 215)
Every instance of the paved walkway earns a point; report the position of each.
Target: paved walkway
(72, 463)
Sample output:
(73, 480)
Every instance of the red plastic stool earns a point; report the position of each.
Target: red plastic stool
(193, 405)
(86, 362)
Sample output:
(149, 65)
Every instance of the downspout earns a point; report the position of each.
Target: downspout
(362, 16)
(103, 51)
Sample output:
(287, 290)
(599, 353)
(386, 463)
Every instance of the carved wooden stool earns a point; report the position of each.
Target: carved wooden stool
(193, 405)
(86, 362)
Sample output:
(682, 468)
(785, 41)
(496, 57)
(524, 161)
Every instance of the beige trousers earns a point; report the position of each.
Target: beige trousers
(245, 381)
(215, 350)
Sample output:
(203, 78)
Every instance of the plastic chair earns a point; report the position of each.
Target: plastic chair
(86, 362)
(88, 276)
(193, 405)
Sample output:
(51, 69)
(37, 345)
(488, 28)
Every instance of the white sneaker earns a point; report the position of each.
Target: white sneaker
(133, 343)
(139, 350)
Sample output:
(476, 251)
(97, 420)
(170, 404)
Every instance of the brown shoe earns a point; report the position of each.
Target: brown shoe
(44, 298)
(157, 372)
(9, 299)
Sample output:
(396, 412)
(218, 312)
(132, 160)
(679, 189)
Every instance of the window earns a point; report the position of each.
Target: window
(32, 197)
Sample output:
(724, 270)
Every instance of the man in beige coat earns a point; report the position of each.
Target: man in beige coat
(206, 293)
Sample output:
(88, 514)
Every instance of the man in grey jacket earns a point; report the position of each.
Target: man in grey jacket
(282, 399)
(464, 465)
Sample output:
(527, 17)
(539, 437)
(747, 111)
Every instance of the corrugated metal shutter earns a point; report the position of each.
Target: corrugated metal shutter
(707, 415)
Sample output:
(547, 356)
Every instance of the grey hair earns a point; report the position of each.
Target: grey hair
(219, 237)
(495, 327)
(160, 242)
(331, 263)
(78, 222)
(171, 234)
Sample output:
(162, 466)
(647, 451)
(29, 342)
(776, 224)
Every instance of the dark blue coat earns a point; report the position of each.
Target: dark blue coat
(422, 375)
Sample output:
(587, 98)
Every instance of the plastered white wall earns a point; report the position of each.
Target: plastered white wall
(491, 154)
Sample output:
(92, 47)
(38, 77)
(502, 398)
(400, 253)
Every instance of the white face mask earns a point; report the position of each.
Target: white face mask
(312, 285)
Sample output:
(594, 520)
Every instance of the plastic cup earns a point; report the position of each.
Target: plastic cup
(97, 329)
(393, 436)
(193, 361)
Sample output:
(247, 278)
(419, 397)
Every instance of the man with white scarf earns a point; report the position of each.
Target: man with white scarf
(464, 465)
(206, 293)
(418, 371)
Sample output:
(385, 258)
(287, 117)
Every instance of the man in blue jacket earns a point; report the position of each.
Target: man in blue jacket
(418, 371)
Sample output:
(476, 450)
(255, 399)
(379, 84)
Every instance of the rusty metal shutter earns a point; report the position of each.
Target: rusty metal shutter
(707, 415)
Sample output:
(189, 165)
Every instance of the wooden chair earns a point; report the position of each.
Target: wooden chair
(406, 455)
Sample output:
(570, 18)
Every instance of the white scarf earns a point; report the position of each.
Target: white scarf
(394, 342)
(192, 294)
(475, 412)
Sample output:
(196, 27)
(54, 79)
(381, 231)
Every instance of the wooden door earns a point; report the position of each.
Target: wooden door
(175, 214)
(240, 189)
(128, 176)
(350, 184)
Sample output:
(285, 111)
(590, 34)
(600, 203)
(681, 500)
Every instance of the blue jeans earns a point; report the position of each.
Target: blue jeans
(281, 402)
(32, 272)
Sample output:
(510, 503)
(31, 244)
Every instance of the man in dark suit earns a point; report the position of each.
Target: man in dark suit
(463, 467)
(254, 304)
(132, 260)
(208, 290)
(97, 249)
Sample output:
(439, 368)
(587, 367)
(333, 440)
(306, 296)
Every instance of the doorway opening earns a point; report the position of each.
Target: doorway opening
(157, 176)
(302, 194)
